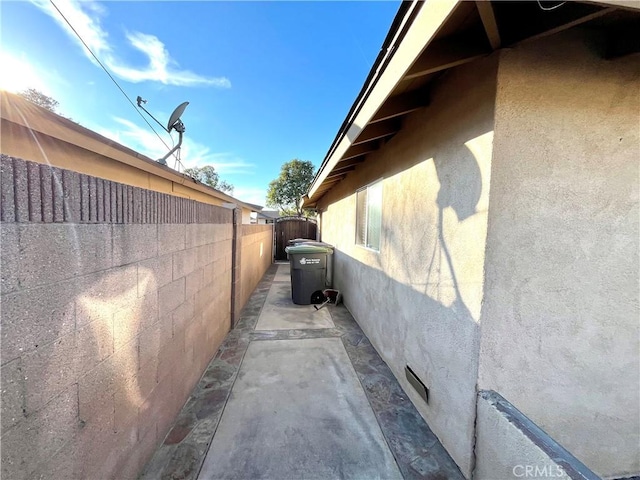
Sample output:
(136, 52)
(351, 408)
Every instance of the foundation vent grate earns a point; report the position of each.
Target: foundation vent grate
(416, 383)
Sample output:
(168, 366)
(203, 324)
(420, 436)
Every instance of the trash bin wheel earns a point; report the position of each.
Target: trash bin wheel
(317, 297)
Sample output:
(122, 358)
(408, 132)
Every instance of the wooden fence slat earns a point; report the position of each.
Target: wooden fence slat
(289, 228)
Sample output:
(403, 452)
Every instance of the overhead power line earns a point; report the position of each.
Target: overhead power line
(111, 77)
(548, 9)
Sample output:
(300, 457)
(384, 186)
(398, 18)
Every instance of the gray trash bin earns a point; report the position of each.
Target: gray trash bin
(308, 272)
(304, 241)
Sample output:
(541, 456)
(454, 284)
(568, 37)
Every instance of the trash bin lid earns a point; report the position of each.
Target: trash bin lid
(308, 249)
(300, 240)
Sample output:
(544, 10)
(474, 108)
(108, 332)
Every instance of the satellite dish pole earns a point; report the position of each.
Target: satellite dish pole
(174, 124)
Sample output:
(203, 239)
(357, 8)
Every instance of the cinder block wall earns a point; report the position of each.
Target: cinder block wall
(114, 299)
(257, 255)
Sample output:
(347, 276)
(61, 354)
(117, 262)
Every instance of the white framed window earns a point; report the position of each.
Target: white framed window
(369, 216)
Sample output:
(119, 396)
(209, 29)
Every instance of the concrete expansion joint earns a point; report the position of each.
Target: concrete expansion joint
(278, 383)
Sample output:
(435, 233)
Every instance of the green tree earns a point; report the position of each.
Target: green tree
(40, 99)
(209, 176)
(293, 182)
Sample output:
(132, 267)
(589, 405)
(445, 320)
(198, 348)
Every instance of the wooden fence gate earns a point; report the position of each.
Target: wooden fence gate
(288, 228)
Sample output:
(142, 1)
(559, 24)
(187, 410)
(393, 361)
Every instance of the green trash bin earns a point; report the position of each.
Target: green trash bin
(308, 272)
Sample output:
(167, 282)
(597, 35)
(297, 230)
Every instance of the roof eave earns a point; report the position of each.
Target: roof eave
(430, 38)
(421, 21)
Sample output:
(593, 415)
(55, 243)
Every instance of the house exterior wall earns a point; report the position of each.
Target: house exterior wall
(509, 446)
(246, 216)
(257, 254)
(114, 300)
(560, 332)
(419, 299)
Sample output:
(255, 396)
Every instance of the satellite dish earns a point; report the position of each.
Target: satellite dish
(174, 119)
(174, 123)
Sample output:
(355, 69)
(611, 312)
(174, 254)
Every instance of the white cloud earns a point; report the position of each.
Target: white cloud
(86, 25)
(160, 68)
(193, 154)
(139, 139)
(226, 162)
(85, 18)
(251, 195)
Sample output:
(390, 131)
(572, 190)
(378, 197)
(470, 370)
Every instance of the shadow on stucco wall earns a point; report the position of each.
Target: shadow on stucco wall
(460, 192)
(429, 272)
(418, 299)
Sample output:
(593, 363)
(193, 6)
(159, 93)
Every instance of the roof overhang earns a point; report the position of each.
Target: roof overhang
(37, 120)
(428, 38)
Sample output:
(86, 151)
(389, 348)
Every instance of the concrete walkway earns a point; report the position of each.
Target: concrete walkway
(298, 393)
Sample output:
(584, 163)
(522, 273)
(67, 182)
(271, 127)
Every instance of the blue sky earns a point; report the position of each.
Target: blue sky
(267, 81)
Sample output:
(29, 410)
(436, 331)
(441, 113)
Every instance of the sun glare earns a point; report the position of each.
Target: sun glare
(18, 74)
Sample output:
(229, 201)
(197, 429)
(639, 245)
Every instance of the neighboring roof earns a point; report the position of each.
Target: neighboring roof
(427, 38)
(269, 214)
(255, 208)
(17, 112)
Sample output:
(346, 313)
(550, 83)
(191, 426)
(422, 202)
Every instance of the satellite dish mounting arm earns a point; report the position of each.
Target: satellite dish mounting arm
(174, 124)
(178, 127)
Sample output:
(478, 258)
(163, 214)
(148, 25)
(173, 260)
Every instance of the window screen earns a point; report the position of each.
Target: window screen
(369, 216)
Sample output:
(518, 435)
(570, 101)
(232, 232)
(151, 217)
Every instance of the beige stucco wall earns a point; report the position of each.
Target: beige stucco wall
(506, 451)
(246, 216)
(560, 330)
(419, 298)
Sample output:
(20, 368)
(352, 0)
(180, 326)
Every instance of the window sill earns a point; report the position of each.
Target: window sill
(368, 249)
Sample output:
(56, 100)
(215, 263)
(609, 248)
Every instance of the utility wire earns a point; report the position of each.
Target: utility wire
(111, 77)
(548, 9)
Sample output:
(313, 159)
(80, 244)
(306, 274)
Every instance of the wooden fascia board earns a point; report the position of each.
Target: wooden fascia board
(401, 105)
(337, 176)
(622, 4)
(447, 53)
(568, 25)
(428, 21)
(375, 131)
(349, 162)
(356, 151)
(330, 181)
(489, 23)
(340, 170)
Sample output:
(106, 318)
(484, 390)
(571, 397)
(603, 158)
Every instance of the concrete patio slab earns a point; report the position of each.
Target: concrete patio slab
(297, 410)
(417, 451)
(280, 313)
(283, 274)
